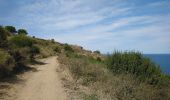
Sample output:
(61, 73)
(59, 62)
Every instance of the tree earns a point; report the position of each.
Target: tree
(52, 40)
(97, 52)
(22, 31)
(10, 29)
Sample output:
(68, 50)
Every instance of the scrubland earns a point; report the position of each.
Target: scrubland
(89, 75)
(118, 76)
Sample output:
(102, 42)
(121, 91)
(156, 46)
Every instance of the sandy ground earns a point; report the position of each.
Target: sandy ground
(44, 84)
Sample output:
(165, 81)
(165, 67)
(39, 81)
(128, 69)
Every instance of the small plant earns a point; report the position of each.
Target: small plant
(89, 97)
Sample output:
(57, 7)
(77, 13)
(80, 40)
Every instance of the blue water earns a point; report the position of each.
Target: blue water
(161, 59)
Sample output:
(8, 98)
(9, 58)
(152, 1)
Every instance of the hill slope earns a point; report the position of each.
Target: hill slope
(91, 75)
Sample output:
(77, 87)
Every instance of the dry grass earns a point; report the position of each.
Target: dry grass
(47, 47)
(94, 81)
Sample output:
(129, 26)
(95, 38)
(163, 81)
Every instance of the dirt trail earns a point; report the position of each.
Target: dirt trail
(43, 84)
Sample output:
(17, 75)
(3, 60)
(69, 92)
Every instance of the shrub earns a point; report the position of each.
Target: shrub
(68, 48)
(20, 54)
(22, 31)
(134, 63)
(99, 59)
(10, 29)
(52, 40)
(97, 52)
(6, 63)
(3, 35)
(104, 85)
(21, 41)
(85, 68)
(4, 56)
(34, 50)
(57, 49)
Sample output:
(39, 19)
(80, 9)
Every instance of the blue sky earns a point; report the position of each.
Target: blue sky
(104, 25)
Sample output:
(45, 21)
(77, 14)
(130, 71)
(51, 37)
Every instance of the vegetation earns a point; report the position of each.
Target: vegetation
(10, 29)
(97, 52)
(68, 48)
(57, 49)
(21, 41)
(6, 63)
(122, 76)
(33, 51)
(134, 63)
(3, 35)
(17, 50)
(52, 40)
(22, 31)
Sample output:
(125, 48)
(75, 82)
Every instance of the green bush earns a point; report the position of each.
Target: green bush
(52, 40)
(22, 31)
(57, 49)
(21, 41)
(34, 50)
(20, 54)
(97, 52)
(4, 56)
(68, 48)
(6, 63)
(103, 84)
(134, 63)
(99, 59)
(10, 29)
(3, 35)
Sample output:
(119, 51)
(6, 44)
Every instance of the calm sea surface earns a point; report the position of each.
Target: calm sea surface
(161, 59)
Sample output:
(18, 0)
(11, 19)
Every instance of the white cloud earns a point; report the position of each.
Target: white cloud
(159, 3)
(67, 14)
(150, 38)
(96, 24)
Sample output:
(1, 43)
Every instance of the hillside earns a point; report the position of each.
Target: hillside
(85, 74)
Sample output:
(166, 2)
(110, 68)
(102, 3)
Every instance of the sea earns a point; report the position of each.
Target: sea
(163, 60)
